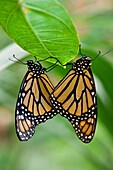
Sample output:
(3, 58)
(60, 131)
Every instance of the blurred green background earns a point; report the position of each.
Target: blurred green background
(55, 145)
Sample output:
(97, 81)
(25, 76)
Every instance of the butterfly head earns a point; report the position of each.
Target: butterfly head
(35, 67)
(82, 63)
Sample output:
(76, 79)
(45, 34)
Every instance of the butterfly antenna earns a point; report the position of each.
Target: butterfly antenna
(106, 53)
(97, 55)
(19, 61)
(101, 55)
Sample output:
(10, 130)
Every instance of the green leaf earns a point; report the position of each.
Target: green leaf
(40, 27)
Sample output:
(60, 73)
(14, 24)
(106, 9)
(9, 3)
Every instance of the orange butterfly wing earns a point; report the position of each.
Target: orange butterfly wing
(75, 98)
(33, 105)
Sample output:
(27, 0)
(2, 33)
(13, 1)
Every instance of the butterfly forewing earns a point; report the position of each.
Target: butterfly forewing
(75, 98)
(33, 103)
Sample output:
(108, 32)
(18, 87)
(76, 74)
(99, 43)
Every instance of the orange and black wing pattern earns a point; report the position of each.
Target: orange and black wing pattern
(75, 99)
(33, 104)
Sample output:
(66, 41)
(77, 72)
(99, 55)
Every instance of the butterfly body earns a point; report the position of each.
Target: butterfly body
(33, 104)
(75, 99)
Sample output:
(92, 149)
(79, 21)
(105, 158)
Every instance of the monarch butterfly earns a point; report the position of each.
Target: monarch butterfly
(75, 99)
(33, 104)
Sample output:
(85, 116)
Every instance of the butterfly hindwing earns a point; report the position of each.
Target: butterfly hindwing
(75, 98)
(33, 104)
(23, 129)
